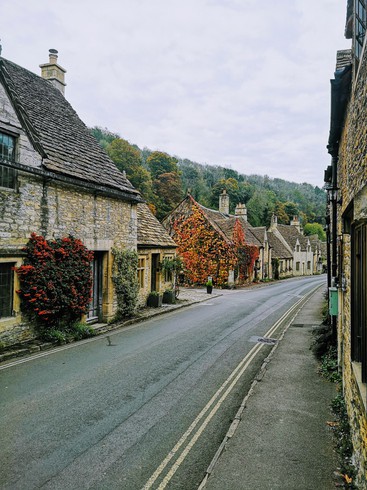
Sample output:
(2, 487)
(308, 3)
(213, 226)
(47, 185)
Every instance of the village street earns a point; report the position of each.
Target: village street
(150, 403)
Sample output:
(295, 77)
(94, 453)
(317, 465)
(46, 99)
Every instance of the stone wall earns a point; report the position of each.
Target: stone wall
(352, 179)
(162, 283)
(55, 210)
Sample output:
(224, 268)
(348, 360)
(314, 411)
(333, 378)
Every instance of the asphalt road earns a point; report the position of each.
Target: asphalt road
(148, 411)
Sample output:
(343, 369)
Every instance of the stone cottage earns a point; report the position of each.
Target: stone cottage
(346, 185)
(299, 260)
(55, 180)
(222, 226)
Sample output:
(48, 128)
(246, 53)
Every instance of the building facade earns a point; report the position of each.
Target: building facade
(55, 181)
(346, 183)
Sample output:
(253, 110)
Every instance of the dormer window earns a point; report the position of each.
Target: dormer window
(7, 154)
(7, 147)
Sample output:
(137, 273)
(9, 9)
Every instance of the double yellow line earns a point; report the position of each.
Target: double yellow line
(218, 398)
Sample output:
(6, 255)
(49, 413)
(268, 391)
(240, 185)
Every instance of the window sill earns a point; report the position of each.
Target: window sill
(357, 371)
(7, 189)
(8, 322)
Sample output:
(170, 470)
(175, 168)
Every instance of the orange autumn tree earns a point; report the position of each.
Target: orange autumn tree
(204, 251)
(246, 254)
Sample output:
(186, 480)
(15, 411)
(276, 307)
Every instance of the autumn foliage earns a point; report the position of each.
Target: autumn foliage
(206, 251)
(55, 280)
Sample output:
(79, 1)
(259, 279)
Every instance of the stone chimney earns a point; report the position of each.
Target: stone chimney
(273, 222)
(224, 202)
(295, 222)
(241, 211)
(54, 72)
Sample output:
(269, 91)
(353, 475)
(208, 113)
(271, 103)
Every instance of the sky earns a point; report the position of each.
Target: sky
(244, 84)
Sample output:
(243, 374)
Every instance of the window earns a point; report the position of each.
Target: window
(309, 265)
(7, 147)
(297, 266)
(6, 289)
(7, 153)
(168, 277)
(141, 271)
(298, 248)
(358, 297)
(359, 27)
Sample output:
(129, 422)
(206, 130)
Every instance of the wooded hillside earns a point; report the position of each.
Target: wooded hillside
(163, 180)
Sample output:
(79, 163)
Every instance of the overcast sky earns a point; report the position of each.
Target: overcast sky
(239, 83)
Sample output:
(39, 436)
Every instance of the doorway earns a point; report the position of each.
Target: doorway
(95, 306)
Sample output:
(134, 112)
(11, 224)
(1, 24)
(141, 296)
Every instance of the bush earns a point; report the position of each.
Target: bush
(55, 282)
(329, 368)
(124, 277)
(343, 442)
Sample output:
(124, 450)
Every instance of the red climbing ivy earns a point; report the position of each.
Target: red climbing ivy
(55, 280)
(205, 251)
(246, 254)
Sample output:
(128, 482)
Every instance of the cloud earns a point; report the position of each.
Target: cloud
(240, 83)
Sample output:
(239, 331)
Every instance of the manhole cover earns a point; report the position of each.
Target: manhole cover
(263, 340)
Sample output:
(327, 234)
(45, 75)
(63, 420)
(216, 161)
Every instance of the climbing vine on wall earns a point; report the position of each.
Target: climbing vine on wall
(246, 254)
(204, 251)
(55, 281)
(124, 277)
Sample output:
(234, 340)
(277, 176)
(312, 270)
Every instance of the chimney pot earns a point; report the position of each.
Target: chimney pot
(54, 72)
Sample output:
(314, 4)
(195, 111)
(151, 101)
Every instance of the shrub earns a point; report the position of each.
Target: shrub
(55, 282)
(124, 277)
(343, 442)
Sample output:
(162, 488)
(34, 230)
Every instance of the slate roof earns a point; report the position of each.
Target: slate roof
(291, 234)
(57, 132)
(151, 233)
(259, 232)
(279, 250)
(223, 223)
(226, 222)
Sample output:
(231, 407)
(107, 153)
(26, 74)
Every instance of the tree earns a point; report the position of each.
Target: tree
(161, 163)
(167, 188)
(233, 190)
(103, 136)
(315, 229)
(128, 159)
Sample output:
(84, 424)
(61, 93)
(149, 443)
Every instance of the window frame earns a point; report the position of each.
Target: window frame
(8, 174)
(141, 271)
(9, 286)
(358, 296)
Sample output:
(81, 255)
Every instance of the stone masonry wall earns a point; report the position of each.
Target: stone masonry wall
(352, 179)
(54, 210)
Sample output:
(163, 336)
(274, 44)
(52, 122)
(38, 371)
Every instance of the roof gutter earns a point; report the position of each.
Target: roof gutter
(87, 186)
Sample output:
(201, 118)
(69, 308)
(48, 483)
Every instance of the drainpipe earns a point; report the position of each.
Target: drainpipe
(333, 197)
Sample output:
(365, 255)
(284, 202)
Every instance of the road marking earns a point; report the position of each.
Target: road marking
(236, 374)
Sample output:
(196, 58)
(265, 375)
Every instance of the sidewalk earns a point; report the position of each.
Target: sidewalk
(282, 440)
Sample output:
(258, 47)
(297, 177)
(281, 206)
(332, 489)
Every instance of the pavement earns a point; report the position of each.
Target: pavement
(282, 440)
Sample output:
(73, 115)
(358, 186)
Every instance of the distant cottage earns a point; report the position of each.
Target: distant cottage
(277, 252)
(209, 242)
